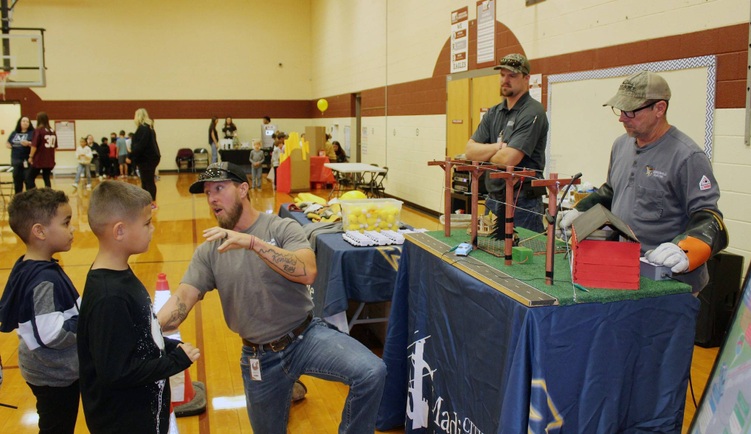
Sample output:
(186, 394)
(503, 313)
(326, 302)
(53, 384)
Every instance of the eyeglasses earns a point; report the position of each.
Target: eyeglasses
(631, 114)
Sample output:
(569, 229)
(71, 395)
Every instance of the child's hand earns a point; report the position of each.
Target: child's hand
(192, 352)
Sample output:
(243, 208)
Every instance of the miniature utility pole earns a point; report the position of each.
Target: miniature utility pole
(512, 177)
(475, 169)
(553, 185)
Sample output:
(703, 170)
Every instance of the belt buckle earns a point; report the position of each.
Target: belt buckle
(279, 345)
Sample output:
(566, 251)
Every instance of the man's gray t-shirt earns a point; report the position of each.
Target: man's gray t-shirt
(259, 304)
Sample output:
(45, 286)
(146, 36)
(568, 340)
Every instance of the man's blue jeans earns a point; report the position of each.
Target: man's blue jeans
(528, 212)
(323, 352)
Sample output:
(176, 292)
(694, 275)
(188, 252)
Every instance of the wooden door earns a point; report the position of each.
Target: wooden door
(486, 92)
(458, 120)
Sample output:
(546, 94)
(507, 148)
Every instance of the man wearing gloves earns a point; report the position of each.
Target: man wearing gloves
(660, 183)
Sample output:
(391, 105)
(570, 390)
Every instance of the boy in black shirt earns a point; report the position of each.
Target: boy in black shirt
(125, 362)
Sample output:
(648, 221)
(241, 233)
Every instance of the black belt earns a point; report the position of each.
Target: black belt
(283, 342)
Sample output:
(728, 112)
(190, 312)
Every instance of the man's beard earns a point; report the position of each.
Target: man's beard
(231, 216)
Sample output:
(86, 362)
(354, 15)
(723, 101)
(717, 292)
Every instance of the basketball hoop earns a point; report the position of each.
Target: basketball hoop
(3, 80)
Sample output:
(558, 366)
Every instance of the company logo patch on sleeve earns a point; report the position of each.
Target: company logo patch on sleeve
(705, 183)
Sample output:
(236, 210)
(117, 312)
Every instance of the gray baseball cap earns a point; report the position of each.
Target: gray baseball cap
(514, 63)
(639, 88)
(216, 172)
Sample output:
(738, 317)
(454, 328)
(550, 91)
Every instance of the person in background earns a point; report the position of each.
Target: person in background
(341, 156)
(41, 303)
(260, 265)
(513, 133)
(328, 148)
(132, 168)
(83, 156)
(276, 157)
(19, 143)
(103, 150)
(42, 155)
(114, 162)
(125, 361)
(660, 183)
(122, 154)
(95, 160)
(256, 160)
(229, 130)
(145, 152)
(267, 133)
(213, 139)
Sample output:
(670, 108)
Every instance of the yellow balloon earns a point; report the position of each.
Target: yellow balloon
(322, 105)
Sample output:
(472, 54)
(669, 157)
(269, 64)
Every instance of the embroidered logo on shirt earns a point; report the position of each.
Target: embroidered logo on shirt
(656, 173)
(705, 183)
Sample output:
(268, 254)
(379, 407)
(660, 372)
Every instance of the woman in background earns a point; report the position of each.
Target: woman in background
(145, 152)
(213, 139)
(341, 156)
(19, 143)
(229, 130)
(42, 155)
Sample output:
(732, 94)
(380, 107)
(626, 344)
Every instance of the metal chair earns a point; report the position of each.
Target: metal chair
(376, 187)
(184, 159)
(364, 182)
(200, 159)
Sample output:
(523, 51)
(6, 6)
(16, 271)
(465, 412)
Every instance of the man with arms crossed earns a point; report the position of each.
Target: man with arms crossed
(513, 133)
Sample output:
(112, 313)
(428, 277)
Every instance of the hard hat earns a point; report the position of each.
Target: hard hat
(353, 194)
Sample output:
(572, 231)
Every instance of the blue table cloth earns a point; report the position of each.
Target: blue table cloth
(462, 357)
(346, 272)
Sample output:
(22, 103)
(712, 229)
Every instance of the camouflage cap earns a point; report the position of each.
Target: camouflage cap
(514, 63)
(639, 88)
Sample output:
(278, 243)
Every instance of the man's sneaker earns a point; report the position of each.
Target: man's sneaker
(75, 186)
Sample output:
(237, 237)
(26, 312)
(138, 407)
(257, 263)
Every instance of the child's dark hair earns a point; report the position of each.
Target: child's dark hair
(38, 205)
(105, 140)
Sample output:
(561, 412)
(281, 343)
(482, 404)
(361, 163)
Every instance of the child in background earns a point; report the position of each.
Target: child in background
(256, 159)
(125, 361)
(276, 157)
(122, 154)
(114, 165)
(83, 155)
(41, 302)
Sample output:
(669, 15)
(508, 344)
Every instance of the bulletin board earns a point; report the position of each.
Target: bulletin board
(66, 135)
(582, 131)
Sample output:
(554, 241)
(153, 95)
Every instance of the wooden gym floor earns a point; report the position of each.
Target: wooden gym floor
(178, 223)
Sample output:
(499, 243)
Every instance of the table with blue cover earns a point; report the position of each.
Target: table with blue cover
(346, 272)
(464, 357)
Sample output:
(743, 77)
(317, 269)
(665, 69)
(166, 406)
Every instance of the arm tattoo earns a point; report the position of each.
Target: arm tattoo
(177, 315)
(287, 263)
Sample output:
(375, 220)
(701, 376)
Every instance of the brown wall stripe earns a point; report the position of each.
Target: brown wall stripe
(428, 96)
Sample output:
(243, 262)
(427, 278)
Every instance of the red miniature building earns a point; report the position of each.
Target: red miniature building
(605, 251)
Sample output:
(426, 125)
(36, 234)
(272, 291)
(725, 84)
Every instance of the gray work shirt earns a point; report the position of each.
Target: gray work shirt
(657, 188)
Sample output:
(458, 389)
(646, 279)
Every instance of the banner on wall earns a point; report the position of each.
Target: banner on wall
(459, 39)
(485, 31)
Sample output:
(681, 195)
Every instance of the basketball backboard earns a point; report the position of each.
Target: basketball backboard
(23, 56)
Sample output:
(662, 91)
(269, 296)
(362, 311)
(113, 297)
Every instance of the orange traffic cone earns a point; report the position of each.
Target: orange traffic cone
(182, 388)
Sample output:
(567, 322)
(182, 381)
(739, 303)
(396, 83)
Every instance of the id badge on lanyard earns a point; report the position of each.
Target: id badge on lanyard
(255, 368)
